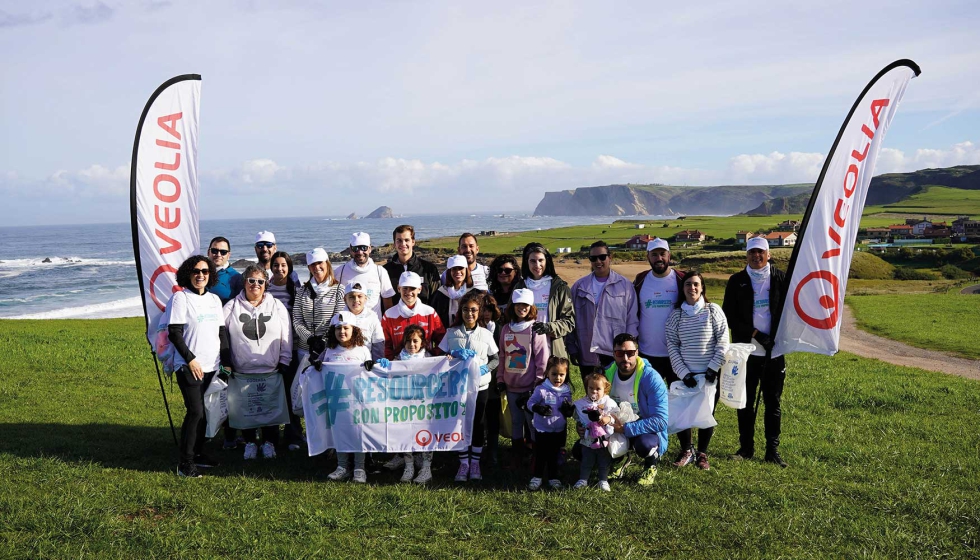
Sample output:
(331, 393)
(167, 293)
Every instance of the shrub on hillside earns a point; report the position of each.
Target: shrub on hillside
(951, 272)
(870, 267)
(909, 273)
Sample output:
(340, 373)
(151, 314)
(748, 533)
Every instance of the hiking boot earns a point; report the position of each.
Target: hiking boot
(604, 486)
(188, 470)
(268, 450)
(772, 456)
(425, 473)
(205, 461)
(742, 454)
(251, 451)
(555, 484)
(360, 476)
(395, 463)
(685, 458)
(648, 476)
(702, 462)
(409, 473)
(340, 474)
(475, 473)
(535, 484)
(463, 474)
(580, 484)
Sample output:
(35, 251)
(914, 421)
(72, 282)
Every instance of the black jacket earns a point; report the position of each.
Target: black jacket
(428, 271)
(739, 301)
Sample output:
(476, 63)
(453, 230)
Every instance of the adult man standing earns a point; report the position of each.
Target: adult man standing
(362, 269)
(469, 248)
(753, 304)
(634, 381)
(230, 282)
(605, 305)
(657, 292)
(405, 259)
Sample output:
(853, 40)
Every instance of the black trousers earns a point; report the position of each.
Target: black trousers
(546, 448)
(294, 430)
(663, 367)
(771, 373)
(194, 426)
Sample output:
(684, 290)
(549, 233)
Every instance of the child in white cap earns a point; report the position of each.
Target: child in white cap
(355, 296)
(410, 311)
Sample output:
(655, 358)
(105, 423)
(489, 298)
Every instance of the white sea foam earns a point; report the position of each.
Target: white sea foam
(129, 307)
(11, 268)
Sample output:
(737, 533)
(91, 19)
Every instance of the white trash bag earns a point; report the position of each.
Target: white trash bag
(256, 400)
(296, 389)
(731, 382)
(619, 444)
(690, 407)
(215, 406)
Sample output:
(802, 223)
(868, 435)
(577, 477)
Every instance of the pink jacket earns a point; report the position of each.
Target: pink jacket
(514, 356)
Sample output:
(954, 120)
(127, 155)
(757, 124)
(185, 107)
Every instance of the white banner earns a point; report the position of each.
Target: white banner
(163, 191)
(418, 405)
(821, 259)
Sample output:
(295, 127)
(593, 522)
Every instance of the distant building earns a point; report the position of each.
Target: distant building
(900, 231)
(689, 235)
(742, 237)
(789, 225)
(879, 234)
(938, 232)
(638, 242)
(488, 233)
(919, 228)
(781, 239)
(640, 226)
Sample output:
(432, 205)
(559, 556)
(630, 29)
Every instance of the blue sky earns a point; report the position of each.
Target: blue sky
(311, 108)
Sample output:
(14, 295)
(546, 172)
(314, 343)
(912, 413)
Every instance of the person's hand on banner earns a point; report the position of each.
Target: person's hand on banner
(542, 409)
(384, 363)
(196, 370)
(484, 370)
(316, 363)
(369, 365)
(462, 353)
(539, 328)
(316, 344)
(710, 376)
(689, 381)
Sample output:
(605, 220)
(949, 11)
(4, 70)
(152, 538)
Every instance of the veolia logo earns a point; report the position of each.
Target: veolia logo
(423, 437)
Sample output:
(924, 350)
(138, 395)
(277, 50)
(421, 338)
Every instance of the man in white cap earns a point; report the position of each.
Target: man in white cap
(753, 303)
(657, 292)
(410, 311)
(373, 278)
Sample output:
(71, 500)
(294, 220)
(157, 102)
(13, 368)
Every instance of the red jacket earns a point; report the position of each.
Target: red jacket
(394, 325)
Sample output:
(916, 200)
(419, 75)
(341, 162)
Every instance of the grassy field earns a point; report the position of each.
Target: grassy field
(937, 321)
(884, 463)
(934, 201)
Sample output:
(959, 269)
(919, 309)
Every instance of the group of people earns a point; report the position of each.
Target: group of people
(519, 320)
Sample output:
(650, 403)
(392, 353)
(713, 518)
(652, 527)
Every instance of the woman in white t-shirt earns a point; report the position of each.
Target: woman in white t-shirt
(196, 330)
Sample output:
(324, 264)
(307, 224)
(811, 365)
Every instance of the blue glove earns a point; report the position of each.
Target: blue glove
(462, 354)
(384, 362)
(484, 370)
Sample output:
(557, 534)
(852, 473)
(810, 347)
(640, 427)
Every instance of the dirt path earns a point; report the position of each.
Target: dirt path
(970, 290)
(852, 339)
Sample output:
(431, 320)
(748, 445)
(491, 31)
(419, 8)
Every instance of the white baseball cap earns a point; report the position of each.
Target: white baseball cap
(522, 295)
(355, 287)
(360, 238)
(265, 236)
(456, 261)
(757, 243)
(317, 255)
(409, 279)
(657, 243)
(344, 318)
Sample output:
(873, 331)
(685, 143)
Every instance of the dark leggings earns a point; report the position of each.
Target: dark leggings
(269, 433)
(294, 430)
(546, 448)
(479, 419)
(193, 429)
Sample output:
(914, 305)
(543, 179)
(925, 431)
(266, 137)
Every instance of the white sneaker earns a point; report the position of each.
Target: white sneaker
(554, 484)
(268, 450)
(580, 484)
(463, 474)
(395, 463)
(360, 476)
(340, 474)
(251, 451)
(409, 473)
(604, 485)
(534, 484)
(425, 474)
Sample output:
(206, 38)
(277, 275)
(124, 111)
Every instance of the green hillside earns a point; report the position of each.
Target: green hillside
(934, 200)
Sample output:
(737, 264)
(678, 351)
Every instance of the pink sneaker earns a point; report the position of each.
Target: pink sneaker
(475, 473)
(464, 471)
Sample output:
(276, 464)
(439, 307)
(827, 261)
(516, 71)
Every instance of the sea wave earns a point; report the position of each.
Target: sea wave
(11, 268)
(129, 307)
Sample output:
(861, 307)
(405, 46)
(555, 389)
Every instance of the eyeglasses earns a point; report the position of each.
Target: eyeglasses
(602, 257)
(625, 353)
(256, 281)
(221, 252)
(505, 271)
(359, 248)
(202, 271)
(265, 244)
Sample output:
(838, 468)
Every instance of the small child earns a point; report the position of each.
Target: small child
(551, 403)
(413, 348)
(366, 319)
(345, 343)
(598, 405)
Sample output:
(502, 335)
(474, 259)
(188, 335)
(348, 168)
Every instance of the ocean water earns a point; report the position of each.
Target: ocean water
(88, 271)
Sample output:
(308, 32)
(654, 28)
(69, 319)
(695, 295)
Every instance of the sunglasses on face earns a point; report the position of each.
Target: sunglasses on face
(221, 252)
(202, 271)
(594, 258)
(359, 248)
(625, 353)
(256, 281)
(506, 271)
(265, 244)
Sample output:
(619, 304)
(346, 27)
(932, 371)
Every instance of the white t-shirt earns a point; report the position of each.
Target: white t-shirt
(597, 287)
(202, 317)
(372, 277)
(357, 354)
(542, 292)
(761, 315)
(479, 274)
(657, 299)
(622, 391)
(370, 327)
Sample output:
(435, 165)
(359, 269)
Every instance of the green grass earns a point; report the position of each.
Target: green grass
(940, 321)
(883, 460)
(935, 200)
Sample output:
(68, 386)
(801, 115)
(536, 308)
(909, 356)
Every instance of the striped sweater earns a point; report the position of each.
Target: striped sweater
(697, 344)
(312, 317)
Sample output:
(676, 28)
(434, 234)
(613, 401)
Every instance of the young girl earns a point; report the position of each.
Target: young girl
(345, 343)
(525, 359)
(597, 402)
(355, 296)
(413, 348)
(551, 403)
(468, 338)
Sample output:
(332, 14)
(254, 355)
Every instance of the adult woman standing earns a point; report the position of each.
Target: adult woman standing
(458, 281)
(316, 303)
(196, 330)
(283, 285)
(260, 340)
(697, 339)
(552, 296)
(504, 276)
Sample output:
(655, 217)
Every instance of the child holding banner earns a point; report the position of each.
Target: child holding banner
(466, 339)
(413, 348)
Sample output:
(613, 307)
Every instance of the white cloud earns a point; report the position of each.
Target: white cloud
(896, 161)
(776, 167)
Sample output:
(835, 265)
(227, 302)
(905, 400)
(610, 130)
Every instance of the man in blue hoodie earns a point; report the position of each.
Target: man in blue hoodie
(635, 381)
(230, 281)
